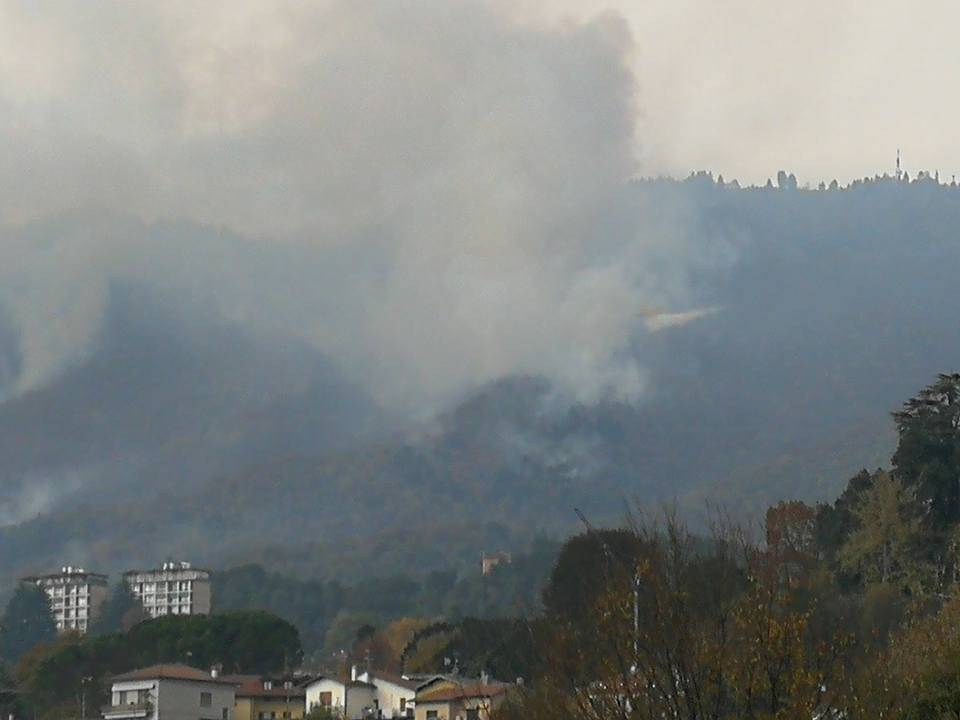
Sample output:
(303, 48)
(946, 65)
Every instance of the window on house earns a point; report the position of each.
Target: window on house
(206, 699)
(326, 699)
(473, 714)
(225, 714)
(403, 704)
(431, 715)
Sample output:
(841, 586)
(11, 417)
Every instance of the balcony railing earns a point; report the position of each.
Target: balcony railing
(135, 710)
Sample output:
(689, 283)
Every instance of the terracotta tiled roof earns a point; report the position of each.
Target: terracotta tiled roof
(252, 686)
(361, 683)
(170, 672)
(461, 692)
(348, 683)
(397, 680)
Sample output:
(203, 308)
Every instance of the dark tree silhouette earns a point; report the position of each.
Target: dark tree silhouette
(26, 622)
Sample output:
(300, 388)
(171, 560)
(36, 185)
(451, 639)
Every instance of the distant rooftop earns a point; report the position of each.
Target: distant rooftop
(265, 687)
(66, 571)
(462, 692)
(173, 671)
(169, 566)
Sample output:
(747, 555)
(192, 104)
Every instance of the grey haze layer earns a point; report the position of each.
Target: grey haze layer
(353, 262)
(428, 179)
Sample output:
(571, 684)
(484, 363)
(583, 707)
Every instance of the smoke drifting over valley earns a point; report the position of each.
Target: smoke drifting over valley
(421, 190)
(368, 263)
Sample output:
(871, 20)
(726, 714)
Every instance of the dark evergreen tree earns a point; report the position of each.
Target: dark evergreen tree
(26, 622)
(586, 565)
(121, 611)
(928, 453)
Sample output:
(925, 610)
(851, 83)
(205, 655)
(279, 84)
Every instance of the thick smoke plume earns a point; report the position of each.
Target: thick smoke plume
(426, 191)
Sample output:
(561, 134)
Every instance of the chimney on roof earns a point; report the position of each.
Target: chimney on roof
(215, 672)
(353, 673)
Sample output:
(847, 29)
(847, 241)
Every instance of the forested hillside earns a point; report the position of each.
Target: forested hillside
(183, 432)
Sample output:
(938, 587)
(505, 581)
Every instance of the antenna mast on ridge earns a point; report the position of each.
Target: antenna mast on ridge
(898, 164)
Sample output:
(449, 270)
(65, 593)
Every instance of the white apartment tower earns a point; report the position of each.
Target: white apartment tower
(75, 596)
(175, 588)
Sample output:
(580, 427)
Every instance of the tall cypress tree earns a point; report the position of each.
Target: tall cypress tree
(119, 612)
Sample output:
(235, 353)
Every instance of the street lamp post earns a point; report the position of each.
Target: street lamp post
(83, 696)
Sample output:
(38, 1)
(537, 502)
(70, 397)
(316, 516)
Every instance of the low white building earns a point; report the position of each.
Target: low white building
(175, 588)
(350, 700)
(170, 692)
(395, 694)
(75, 596)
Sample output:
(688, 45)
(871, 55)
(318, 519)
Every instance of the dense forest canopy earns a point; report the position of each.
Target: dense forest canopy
(841, 609)
(818, 310)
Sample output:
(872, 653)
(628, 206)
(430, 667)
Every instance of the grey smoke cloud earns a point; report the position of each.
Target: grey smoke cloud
(421, 189)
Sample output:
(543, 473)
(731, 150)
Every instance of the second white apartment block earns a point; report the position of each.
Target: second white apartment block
(175, 588)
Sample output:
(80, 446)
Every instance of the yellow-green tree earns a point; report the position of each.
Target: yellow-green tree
(882, 547)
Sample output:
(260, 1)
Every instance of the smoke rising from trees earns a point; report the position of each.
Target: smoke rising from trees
(425, 191)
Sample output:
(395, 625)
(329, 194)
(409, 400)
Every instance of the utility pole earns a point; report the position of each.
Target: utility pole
(83, 696)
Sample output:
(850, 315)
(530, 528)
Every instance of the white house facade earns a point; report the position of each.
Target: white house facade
(351, 700)
(394, 697)
(170, 692)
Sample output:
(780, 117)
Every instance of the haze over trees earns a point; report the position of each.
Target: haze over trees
(847, 610)
(779, 391)
(842, 609)
(52, 674)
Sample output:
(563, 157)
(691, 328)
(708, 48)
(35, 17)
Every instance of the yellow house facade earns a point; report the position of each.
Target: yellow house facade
(447, 700)
(265, 699)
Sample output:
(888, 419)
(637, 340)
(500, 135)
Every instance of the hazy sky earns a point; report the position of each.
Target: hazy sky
(824, 88)
(436, 173)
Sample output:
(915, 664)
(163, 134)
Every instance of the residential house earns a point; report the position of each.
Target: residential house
(260, 698)
(170, 692)
(447, 699)
(490, 561)
(395, 694)
(350, 700)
